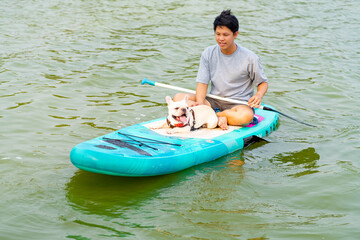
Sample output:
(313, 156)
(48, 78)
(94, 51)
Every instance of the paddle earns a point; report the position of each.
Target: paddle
(180, 89)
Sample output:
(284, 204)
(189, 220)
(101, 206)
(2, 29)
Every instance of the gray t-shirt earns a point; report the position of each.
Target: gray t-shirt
(232, 76)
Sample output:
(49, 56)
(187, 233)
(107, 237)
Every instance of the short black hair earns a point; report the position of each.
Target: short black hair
(228, 20)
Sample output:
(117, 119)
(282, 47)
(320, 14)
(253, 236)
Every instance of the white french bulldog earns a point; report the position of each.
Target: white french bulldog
(182, 118)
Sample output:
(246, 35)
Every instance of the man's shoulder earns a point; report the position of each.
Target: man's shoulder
(210, 50)
(246, 51)
(212, 47)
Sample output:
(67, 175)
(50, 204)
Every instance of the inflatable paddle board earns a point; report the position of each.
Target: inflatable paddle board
(139, 151)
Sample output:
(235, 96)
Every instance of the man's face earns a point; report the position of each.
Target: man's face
(225, 38)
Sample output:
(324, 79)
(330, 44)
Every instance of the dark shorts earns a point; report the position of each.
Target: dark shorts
(222, 105)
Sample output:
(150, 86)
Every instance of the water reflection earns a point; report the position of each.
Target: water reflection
(111, 195)
(304, 160)
(103, 194)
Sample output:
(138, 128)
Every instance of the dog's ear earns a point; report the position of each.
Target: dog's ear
(168, 100)
(186, 98)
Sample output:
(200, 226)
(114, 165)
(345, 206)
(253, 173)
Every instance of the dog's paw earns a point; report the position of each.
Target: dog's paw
(170, 131)
(157, 125)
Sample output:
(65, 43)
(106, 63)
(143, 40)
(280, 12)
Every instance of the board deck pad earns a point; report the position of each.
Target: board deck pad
(204, 133)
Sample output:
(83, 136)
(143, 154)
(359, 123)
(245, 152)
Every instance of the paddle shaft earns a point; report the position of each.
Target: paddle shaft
(180, 89)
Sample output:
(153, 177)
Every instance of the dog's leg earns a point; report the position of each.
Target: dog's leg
(185, 129)
(158, 125)
(212, 122)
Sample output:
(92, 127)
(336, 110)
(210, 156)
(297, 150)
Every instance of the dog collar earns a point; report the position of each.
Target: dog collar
(176, 124)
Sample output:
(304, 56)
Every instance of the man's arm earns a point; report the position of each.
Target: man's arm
(255, 101)
(201, 91)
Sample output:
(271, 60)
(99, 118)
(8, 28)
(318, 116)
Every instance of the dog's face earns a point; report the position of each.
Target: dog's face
(179, 113)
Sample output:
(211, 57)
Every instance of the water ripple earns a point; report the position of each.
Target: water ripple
(70, 71)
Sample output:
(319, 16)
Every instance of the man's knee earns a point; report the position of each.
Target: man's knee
(180, 96)
(239, 115)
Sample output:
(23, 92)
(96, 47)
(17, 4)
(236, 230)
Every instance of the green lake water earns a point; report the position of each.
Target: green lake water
(70, 71)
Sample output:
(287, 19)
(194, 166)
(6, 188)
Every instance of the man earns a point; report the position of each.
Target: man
(233, 71)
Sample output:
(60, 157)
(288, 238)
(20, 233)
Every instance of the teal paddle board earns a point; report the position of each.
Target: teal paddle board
(140, 151)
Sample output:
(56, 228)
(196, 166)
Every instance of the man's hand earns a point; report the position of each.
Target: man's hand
(193, 104)
(255, 101)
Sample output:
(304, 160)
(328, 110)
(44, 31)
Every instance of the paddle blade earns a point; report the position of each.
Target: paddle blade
(273, 110)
